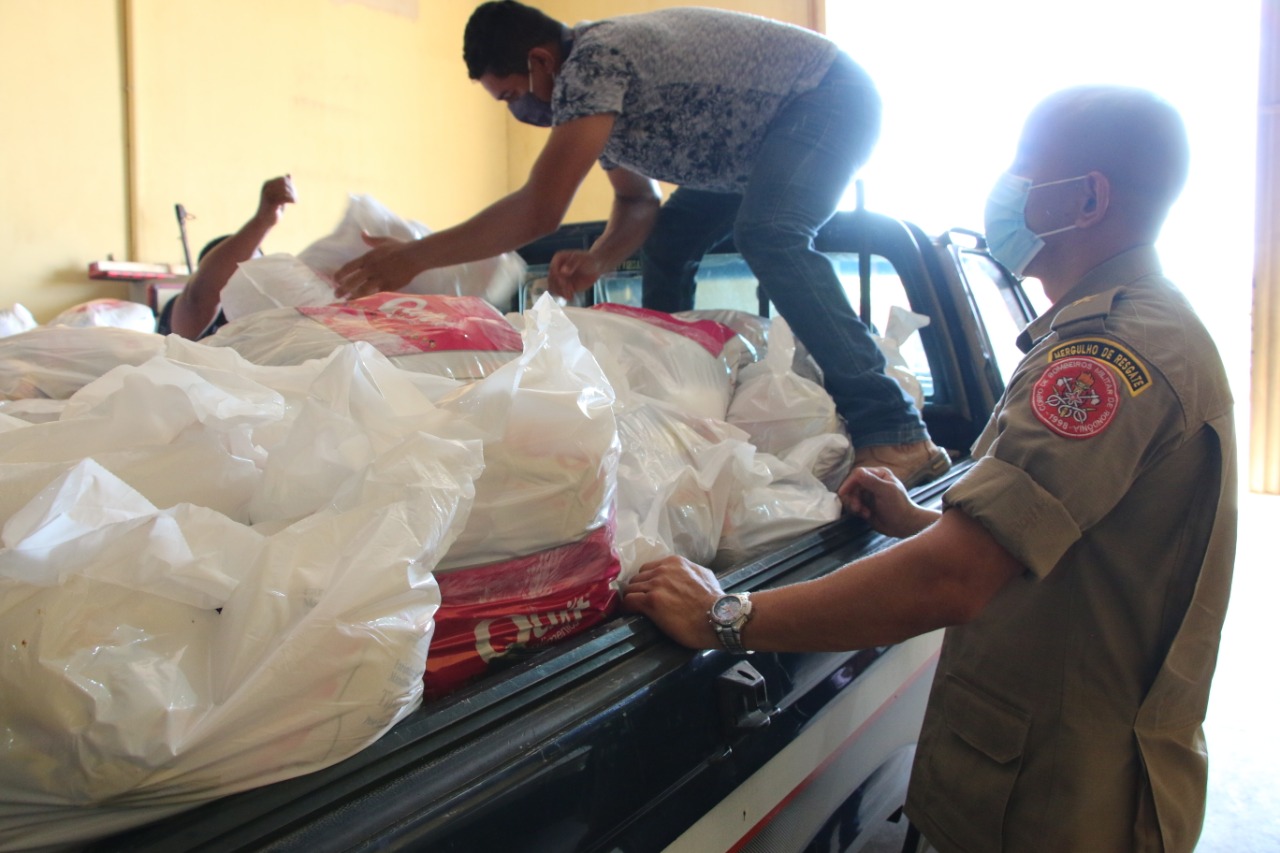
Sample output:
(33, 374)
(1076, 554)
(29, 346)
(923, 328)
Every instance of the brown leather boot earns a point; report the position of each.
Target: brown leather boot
(914, 464)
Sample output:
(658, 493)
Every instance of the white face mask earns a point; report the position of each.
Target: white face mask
(1009, 239)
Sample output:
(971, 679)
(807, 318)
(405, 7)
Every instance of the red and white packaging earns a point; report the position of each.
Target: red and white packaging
(526, 602)
(461, 337)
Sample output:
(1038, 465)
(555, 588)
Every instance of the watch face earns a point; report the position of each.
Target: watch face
(726, 609)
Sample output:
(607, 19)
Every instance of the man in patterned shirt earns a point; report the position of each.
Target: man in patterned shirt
(760, 124)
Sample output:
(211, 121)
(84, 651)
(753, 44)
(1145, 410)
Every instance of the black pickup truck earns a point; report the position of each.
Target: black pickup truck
(620, 740)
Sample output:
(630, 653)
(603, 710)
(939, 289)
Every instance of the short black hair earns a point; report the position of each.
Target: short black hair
(500, 35)
(210, 246)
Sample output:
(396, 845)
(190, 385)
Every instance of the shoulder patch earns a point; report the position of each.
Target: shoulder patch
(1132, 371)
(1076, 397)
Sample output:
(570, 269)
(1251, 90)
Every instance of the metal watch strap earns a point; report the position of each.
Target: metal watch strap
(731, 639)
(731, 635)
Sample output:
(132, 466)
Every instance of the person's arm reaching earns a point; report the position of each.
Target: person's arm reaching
(533, 211)
(197, 305)
(635, 208)
(943, 576)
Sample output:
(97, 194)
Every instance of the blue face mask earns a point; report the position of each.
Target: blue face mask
(530, 109)
(1009, 239)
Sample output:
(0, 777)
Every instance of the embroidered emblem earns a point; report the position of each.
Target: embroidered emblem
(1133, 371)
(1076, 397)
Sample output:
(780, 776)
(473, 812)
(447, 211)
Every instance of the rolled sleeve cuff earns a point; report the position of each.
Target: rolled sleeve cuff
(1027, 521)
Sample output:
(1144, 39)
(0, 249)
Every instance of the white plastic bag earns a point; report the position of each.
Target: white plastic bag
(697, 488)
(364, 215)
(273, 281)
(494, 279)
(31, 411)
(14, 319)
(754, 332)
(280, 280)
(117, 313)
(536, 561)
(677, 478)
(789, 503)
(676, 361)
(57, 361)
(778, 408)
(551, 445)
(127, 694)
(901, 326)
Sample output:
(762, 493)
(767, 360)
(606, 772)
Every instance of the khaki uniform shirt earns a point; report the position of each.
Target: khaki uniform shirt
(1067, 716)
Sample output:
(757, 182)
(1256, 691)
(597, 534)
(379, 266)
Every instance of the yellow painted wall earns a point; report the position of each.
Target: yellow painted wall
(348, 97)
(62, 181)
(116, 110)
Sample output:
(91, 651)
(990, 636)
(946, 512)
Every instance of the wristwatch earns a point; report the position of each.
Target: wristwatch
(728, 616)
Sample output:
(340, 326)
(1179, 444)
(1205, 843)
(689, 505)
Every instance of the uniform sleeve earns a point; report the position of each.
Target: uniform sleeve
(593, 81)
(1036, 489)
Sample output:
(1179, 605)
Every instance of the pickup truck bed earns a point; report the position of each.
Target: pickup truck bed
(620, 740)
(610, 741)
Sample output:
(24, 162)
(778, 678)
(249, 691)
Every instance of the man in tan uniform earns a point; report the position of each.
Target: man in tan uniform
(1083, 564)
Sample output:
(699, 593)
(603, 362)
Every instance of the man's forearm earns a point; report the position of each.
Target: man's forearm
(196, 305)
(504, 226)
(943, 577)
(631, 220)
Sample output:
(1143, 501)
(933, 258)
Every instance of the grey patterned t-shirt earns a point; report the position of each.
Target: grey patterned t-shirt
(694, 90)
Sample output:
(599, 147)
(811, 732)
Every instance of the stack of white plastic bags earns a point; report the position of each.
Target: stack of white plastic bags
(690, 479)
(721, 456)
(215, 575)
(536, 562)
(228, 563)
(538, 559)
(692, 405)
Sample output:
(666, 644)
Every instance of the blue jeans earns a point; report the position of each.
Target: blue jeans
(806, 161)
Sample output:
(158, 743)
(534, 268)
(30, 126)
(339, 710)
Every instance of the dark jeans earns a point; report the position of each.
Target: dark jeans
(805, 164)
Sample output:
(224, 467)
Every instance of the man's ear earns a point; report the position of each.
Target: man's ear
(1096, 201)
(542, 59)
